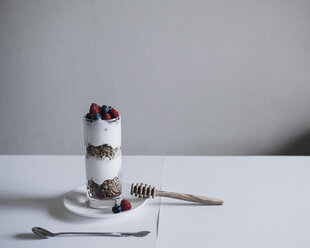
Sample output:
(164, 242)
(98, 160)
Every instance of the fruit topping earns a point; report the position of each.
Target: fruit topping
(96, 116)
(125, 205)
(113, 113)
(106, 117)
(116, 209)
(105, 112)
(89, 116)
(94, 108)
(105, 109)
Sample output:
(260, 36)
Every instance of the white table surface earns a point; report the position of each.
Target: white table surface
(266, 202)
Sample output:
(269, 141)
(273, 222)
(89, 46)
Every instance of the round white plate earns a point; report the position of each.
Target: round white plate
(76, 202)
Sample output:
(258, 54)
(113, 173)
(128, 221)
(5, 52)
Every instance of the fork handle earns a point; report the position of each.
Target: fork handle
(191, 198)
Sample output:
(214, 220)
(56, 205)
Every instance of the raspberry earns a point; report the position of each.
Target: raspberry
(106, 116)
(113, 113)
(125, 205)
(94, 108)
(100, 194)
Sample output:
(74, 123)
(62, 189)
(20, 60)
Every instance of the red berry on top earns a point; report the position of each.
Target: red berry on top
(106, 116)
(113, 113)
(94, 108)
(125, 205)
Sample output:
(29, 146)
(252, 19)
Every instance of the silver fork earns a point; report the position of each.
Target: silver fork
(43, 233)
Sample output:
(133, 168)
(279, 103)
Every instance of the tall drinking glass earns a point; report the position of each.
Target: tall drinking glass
(103, 161)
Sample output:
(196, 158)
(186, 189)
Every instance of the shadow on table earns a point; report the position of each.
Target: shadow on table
(53, 206)
(26, 236)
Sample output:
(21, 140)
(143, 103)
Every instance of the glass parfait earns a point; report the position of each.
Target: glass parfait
(103, 161)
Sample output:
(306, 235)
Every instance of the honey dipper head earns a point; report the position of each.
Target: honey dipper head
(141, 190)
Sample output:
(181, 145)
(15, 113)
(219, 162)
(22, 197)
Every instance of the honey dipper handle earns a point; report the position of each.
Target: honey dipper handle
(191, 198)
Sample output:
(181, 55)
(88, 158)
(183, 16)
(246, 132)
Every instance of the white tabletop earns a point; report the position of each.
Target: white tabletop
(266, 202)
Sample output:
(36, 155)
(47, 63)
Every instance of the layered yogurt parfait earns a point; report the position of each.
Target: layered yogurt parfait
(103, 160)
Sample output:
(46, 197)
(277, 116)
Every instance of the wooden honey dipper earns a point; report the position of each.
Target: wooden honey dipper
(146, 191)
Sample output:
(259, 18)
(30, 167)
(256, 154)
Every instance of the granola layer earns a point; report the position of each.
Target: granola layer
(107, 190)
(102, 151)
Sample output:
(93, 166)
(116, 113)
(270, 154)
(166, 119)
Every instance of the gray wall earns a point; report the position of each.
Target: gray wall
(189, 77)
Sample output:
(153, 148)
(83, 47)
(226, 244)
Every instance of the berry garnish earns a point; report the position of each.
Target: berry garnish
(96, 116)
(113, 113)
(125, 205)
(99, 193)
(89, 116)
(104, 109)
(106, 117)
(116, 209)
(94, 108)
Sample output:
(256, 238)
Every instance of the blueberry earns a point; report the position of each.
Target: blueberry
(104, 109)
(89, 116)
(96, 116)
(116, 209)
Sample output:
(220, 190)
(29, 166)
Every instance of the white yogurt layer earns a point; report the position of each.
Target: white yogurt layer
(102, 169)
(102, 132)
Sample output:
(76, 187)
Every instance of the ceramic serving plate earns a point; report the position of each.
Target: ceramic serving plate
(76, 202)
